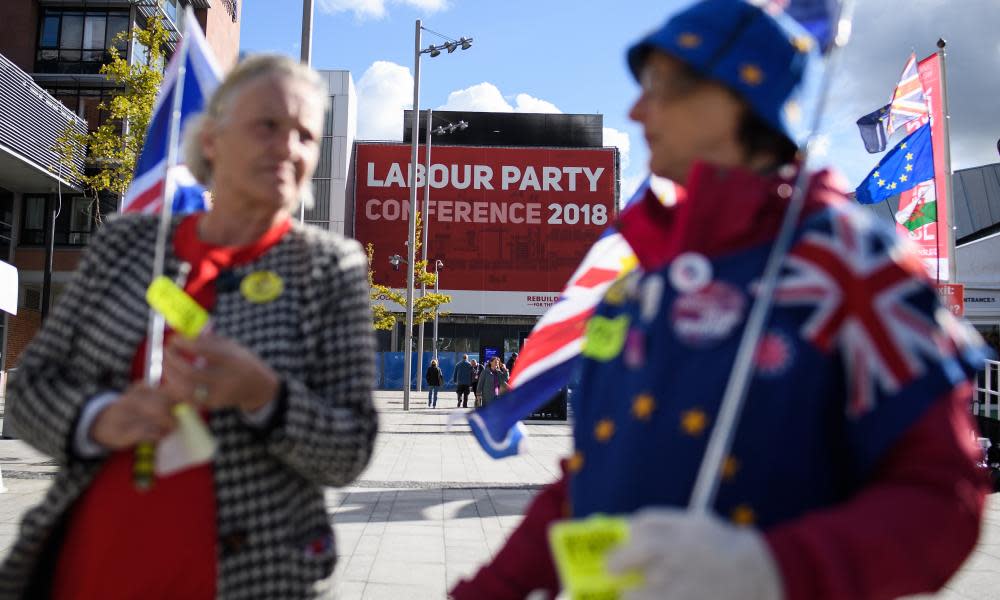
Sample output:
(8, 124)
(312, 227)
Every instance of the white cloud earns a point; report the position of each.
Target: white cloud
(376, 9)
(482, 97)
(385, 90)
(620, 139)
(529, 104)
(629, 184)
(487, 97)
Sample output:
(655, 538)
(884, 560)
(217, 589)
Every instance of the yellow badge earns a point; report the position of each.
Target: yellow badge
(262, 287)
(581, 548)
(179, 309)
(605, 337)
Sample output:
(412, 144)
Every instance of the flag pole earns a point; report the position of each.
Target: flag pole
(143, 467)
(707, 483)
(949, 228)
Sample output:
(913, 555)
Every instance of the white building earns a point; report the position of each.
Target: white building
(339, 131)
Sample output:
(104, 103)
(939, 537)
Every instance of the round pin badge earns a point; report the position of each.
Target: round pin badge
(690, 272)
(709, 315)
(773, 355)
(261, 287)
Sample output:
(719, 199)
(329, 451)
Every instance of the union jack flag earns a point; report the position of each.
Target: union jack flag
(908, 102)
(202, 76)
(860, 292)
(549, 356)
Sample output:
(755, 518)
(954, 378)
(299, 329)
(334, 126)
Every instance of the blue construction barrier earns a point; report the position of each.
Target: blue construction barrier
(389, 368)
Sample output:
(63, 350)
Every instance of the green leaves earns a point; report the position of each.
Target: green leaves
(424, 307)
(114, 146)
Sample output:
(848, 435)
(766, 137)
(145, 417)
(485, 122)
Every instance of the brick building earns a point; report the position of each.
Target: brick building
(51, 52)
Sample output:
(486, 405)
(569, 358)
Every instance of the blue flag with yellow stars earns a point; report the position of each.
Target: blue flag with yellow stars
(906, 165)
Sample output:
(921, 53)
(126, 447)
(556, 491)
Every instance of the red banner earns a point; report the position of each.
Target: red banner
(501, 219)
(932, 239)
(952, 297)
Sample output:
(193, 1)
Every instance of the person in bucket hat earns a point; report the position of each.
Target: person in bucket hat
(852, 472)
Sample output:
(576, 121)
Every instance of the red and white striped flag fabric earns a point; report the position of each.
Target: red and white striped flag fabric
(549, 356)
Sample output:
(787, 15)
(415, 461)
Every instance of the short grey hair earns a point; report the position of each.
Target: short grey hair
(247, 70)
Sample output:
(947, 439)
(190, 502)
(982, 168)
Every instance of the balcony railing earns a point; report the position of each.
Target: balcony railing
(31, 120)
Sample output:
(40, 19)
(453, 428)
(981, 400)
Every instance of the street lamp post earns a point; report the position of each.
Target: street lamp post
(438, 265)
(306, 55)
(463, 43)
(425, 212)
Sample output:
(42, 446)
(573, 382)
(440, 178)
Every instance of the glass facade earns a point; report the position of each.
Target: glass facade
(74, 221)
(77, 41)
(319, 214)
(85, 102)
(6, 225)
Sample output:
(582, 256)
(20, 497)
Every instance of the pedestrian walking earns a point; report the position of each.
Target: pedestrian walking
(477, 370)
(510, 362)
(435, 379)
(492, 381)
(462, 378)
(852, 472)
(283, 381)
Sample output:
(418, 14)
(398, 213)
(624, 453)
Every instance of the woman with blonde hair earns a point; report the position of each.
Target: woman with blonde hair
(283, 380)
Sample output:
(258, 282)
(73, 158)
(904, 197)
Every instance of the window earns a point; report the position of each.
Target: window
(81, 220)
(169, 7)
(6, 224)
(75, 41)
(85, 102)
(34, 219)
(74, 220)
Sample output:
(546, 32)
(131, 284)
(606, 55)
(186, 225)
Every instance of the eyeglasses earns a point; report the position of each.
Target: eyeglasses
(657, 85)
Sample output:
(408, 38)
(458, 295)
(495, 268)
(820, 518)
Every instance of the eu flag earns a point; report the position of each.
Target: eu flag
(902, 168)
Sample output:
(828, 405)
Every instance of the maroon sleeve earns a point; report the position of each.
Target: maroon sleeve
(907, 531)
(524, 563)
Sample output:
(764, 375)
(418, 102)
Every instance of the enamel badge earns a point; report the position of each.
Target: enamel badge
(261, 287)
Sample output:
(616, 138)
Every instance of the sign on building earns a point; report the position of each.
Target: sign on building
(510, 224)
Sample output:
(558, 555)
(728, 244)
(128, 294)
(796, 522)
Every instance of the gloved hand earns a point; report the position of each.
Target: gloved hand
(684, 556)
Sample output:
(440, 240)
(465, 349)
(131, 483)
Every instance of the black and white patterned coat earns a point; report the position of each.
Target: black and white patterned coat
(268, 482)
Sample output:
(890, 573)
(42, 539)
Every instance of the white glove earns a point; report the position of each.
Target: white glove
(685, 556)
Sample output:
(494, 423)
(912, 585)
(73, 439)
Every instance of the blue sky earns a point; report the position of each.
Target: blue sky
(544, 55)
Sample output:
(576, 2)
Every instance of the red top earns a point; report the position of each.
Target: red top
(161, 543)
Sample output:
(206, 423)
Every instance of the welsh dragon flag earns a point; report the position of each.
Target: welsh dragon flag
(920, 208)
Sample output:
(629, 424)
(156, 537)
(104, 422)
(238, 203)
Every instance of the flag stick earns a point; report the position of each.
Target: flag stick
(949, 228)
(143, 467)
(707, 483)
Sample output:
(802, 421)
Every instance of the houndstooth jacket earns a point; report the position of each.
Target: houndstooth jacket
(268, 482)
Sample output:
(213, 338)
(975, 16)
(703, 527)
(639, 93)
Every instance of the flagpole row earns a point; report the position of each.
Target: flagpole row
(721, 439)
(143, 467)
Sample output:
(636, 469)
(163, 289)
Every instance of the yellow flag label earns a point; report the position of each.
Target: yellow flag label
(180, 311)
(605, 337)
(581, 548)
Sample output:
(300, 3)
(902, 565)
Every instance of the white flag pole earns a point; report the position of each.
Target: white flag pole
(143, 472)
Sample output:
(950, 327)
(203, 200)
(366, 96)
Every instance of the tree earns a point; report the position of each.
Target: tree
(114, 146)
(424, 307)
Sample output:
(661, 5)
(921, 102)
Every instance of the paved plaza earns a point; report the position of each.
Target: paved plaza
(432, 506)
